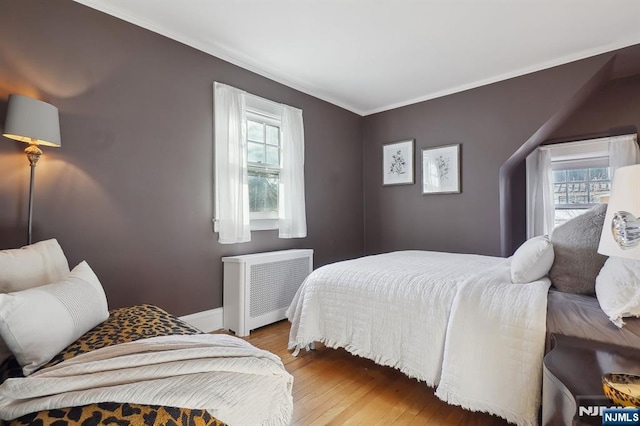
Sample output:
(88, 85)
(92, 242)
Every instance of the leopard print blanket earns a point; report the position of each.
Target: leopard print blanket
(123, 325)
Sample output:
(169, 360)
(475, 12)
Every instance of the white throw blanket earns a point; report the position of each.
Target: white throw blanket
(397, 309)
(392, 308)
(236, 382)
(494, 346)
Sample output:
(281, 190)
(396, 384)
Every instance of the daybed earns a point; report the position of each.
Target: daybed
(473, 326)
(76, 363)
(124, 325)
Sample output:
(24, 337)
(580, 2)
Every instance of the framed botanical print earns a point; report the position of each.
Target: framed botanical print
(441, 169)
(397, 163)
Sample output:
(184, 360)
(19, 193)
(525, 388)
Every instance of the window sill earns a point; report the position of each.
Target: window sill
(256, 225)
(263, 224)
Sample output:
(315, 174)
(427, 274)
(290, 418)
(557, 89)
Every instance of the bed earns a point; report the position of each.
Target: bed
(75, 362)
(455, 321)
(472, 326)
(123, 325)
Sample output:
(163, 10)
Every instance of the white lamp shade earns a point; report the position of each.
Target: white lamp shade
(625, 197)
(32, 121)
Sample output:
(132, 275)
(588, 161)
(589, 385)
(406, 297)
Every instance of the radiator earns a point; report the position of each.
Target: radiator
(258, 288)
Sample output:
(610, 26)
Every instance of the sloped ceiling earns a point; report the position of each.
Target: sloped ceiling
(373, 55)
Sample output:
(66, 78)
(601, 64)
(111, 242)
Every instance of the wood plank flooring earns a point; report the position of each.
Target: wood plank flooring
(333, 387)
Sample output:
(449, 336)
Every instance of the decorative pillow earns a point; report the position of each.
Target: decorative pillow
(575, 244)
(32, 266)
(532, 260)
(39, 322)
(618, 289)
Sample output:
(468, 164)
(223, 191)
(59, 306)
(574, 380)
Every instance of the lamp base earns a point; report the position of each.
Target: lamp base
(33, 154)
(626, 230)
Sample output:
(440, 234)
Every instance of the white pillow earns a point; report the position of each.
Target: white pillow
(39, 322)
(32, 266)
(532, 260)
(618, 289)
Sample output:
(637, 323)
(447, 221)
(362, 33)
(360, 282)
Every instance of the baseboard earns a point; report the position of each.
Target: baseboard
(206, 320)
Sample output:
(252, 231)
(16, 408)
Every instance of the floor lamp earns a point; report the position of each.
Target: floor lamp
(36, 123)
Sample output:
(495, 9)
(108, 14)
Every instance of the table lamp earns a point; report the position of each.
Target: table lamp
(621, 231)
(36, 123)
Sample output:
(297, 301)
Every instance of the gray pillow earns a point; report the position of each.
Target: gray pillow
(575, 245)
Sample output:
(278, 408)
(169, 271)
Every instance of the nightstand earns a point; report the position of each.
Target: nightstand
(571, 379)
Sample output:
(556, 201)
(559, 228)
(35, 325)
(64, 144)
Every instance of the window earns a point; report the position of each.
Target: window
(565, 179)
(580, 177)
(258, 166)
(577, 190)
(263, 168)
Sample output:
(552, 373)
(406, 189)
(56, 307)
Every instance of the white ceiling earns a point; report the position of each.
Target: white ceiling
(373, 55)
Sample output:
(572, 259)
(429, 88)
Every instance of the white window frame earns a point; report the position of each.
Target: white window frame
(580, 155)
(584, 163)
(268, 112)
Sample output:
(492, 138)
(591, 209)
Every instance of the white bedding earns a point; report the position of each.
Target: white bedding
(237, 382)
(392, 308)
(397, 308)
(494, 346)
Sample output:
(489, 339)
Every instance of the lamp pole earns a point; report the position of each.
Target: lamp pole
(33, 154)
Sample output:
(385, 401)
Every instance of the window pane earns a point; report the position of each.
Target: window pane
(598, 189)
(559, 176)
(273, 155)
(273, 135)
(577, 175)
(600, 173)
(255, 152)
(255, 131)
(263, 191)
(577, 190)
(559, 193)
(578, 193)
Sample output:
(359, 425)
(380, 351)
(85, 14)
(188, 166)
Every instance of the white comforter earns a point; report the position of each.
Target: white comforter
(238, 383)
(397, 308)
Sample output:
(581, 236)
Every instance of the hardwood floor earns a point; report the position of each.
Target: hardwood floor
(333, 387)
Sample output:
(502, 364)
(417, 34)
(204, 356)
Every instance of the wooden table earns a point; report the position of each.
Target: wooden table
(571, 382)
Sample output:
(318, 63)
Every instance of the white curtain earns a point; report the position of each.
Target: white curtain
(623, 151)
(230, 166)
(540, 202)
(293, 219)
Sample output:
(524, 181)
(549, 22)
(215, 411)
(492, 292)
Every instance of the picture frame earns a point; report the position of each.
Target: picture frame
(398, 163)
(441, 170)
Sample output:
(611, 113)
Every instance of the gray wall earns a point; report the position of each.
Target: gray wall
(613, 110)
(130, 190)
(491, 123)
